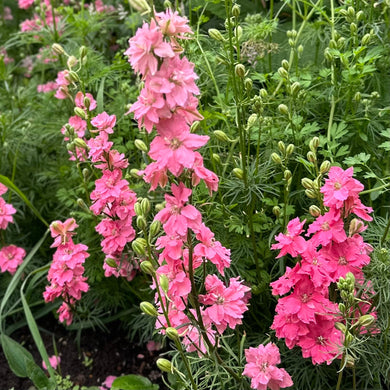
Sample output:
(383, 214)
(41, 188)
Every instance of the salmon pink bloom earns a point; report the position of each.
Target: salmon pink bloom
(261, 368)
(172, 24)
(201, 173)
(79, 101)
(62, 231)
(6, 212)
(104, 122)
(11, 257)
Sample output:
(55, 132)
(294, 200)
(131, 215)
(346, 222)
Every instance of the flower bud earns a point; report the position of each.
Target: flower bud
(366, 39)
(58, 49)
(289, 150)
(328, 55)
(295, 88)
(145, 206)
(340, 326)
(73, 77)
(164, 282)
(85, 173)
(283, 109)
(72, 61)
(164, 365)
(238, 172)
(139, 245)
(366, 320)
(216, 158)
(248, 84)
(314, 211)
(348, 339)
(80, 143)
(307, 183)
(292, 34)
(87, 102)
(300, 50)
(252, 120)
(172, 333)
(287, 174)
(83, 51)
(134, 172)
(342, 307)
(80, 202)
(351, 12)
(356, 226)
(276, 211)
(138, 208)
(312, 194)
(353, 28)
(291, 42)
(111, 262)
(325, 166)
(236, 10)
(276, 158)
(240, 70)
(238, 32)
(285, 65)
(141, 222)
(221, 136)
(148, 308)
(80, 113)
(71, 147)
(147, 268)
(195, 127)
(216, 34)
(311, 157)
(154, 229)
(263, 93)
(141, 6)
(159, 206)
(283, 73)
(314, 143)
(350, 279)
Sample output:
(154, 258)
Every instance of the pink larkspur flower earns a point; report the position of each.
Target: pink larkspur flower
(24, 4)
(6, 212)
(3, 189)
(11, 257)
(62, 231)
(79, 101)
(104, 122)
(54, 362)
(261, 368)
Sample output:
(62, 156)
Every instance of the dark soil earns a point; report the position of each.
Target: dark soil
(100, 355)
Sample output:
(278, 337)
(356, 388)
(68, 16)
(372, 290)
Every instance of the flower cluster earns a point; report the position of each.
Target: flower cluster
(66, 271)
(261, 368)
(167, 103)
(11, 256)
(307, 316)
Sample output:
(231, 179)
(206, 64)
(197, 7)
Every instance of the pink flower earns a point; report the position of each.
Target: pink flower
(177, 217)
(3, 189)
(261, 368)
(6, 211)
(172, 24)
(291, 242)
(145, 46)
(62, 231)
(79, 100)
(10, 258)
(227, 304)
(99, 146)
(24, 4)
(62, 85)
(104, 122)
(201, 173)
(53, 360)
(108, 382)
(48, 87)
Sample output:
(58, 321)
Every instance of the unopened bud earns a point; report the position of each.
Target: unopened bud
(328, 55)
(238, 33)
(314, 143)
(287, 174)
(300, 49)
(325, 166)
(216, 158)
(291, 42)
(276, 211)
(80, 143)
(295, 88)
(353, 28)
(289, 150)
(276, 158)
(221, 136)
(348, 339)
(366, 320)
(342, 307)
(314, 211)
(351, 12)
(71, 147)
(195, 127)
(111, 262)
(141, 222)
(248, 84)
(164, 282)
(283, 73)
(216, 34)
(139, 245)
(283, 109)
(73, 76)
(238, 172)
(172, 333)
(159, 206)
(145, 206)
(252, 120)
(357, 97)
(240, 70)
(147, 268)
(80, 202)
(72, 61)
(148, 308)
(134, 172)
(83, 51)
(80, 113)
(356, 226)
(138, 208)
(311, 193)
(340, 326)
(263, 93)
(311, 157)
(154, 228)
(58, 49)
(142, 6)
(282, 146)
(366, 39)
(307, 183)
(236, 10)
(164, 365)
(285, 64)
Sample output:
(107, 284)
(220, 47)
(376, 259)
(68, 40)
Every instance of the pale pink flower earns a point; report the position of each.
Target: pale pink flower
(261, 368)
(11, 257)
(62, 231)
(291, 242)
(53, 360)
(108, 382)
(65, 313)
(6, 212)
(24, 4)
(8, 13)
(3, 189)
(62, 85)
(155, 173)
(48, 87)
(227, 304)
(104, 122)
(145, 47)
(99, 146)
(201, 173)
(79, 101)
(172, 24)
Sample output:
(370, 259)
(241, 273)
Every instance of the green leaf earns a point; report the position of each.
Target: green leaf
(7, 182)
(100, 95)
(133, 382)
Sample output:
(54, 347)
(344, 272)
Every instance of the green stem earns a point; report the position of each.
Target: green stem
(186, 363)
(375, 189)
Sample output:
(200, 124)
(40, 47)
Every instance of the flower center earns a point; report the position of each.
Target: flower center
(305, 298)
(337, 185)
(325, 226)
(264, 366)
(175, 143)
(343, 260)
(321, 340)
(220, 300)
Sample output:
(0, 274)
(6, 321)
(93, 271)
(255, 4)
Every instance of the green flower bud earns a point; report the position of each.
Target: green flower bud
(325, 166)
(240, 70)
(159, 206)
(366, 39)
(238, 172)
(134, 173)
(291, 42)
(73, 76)
(292, 33)
(145, 206)
(83, 51)
(307, 183)
(276, 158)
(138, 208)
(85, 173)
(80, 143)
(312, 194)
(248, 83)
(340, 326)
(80, 202)
(141, 6)
(164, 282)
(141, 222)
(300, 50)
(215, 34)
(366, 320)
(58, 49)
(71, 147)
(140, 145)
(282, 146)
(216, 158)
(353, 28)
(283, 73)
(328, 55)
(314, 211)
(154, 229)
(139, 245)
(263, 93)
(147, 268)
(355, 226)
(285, 65)
(111, 262)
(359, 16)
(348, 339)
(164, 365)
(351, 12)
(287, 174)
(236, 10)
(252, 120)
(283, 109)
(295, 88)
(311, 157)
(276, 211)
(80, 113)
(289, 150)
(72, 61)
(221, 136)
(195, 127)
(238, 33)
(172, 333)
(148, 308)
(314, 143)
(342, 307)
